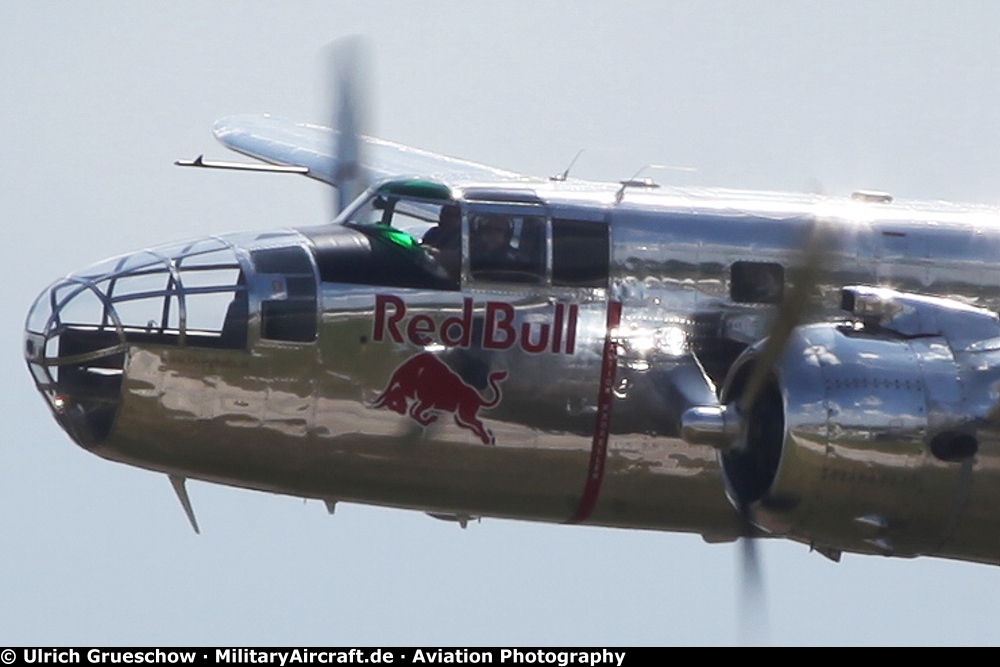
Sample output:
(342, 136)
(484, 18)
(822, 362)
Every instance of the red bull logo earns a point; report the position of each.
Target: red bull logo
(499, 331)
(423, 387)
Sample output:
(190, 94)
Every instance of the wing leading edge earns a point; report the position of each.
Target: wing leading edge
(284, 142)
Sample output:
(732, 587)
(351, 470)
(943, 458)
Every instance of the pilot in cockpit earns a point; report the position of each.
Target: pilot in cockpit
(448, 232)
(489, 242)
(444, 241)
(507, 249)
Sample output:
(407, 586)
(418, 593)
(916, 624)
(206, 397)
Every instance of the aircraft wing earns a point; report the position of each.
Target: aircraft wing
(285, 142)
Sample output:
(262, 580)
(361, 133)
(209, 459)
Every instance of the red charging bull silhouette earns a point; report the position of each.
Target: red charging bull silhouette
(423, 386)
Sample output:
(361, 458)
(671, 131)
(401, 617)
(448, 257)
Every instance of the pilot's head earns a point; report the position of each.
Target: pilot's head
(491, 233)
(450, 217)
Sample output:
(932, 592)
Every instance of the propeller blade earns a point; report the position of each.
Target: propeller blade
(814, 257)
(753, 621)
(350, 76)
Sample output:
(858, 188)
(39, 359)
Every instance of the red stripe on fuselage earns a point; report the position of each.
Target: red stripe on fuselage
(602, 424)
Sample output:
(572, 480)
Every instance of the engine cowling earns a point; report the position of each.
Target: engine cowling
(867, 436)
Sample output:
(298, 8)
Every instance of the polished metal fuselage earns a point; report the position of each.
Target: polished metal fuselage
(300, 418)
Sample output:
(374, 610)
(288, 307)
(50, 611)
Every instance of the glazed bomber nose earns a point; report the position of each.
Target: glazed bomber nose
(80, 330)
(76, 362)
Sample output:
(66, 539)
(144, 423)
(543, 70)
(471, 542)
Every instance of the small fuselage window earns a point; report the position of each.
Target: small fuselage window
(287, 286)
(580, 253)
(757, 282)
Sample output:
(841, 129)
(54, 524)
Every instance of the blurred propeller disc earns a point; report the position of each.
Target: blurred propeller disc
(754, 626)
(755, 405)
(754, 630)
(350, 74)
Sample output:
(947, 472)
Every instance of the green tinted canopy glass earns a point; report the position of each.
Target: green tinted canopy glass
(416, 188)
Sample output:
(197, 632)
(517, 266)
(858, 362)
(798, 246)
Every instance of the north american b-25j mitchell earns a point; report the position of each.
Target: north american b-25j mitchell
(470, 342)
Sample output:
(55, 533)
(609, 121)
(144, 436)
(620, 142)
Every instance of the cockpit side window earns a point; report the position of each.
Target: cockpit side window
(507, 248)
(415, 241)
(408, 217)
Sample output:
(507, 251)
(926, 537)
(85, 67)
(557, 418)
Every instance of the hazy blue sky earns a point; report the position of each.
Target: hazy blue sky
(99, 98)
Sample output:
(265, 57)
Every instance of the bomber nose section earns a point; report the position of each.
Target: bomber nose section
(76, 357)
(80, 330)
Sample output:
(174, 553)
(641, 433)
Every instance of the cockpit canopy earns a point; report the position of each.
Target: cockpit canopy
(422, 235)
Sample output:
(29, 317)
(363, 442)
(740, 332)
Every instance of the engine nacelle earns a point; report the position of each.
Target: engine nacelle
(876, 436)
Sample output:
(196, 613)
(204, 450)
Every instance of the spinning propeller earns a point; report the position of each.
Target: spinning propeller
(756, 405)
(754, 415)
(349, 65)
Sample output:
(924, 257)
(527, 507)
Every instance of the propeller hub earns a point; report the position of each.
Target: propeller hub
(718, 426)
